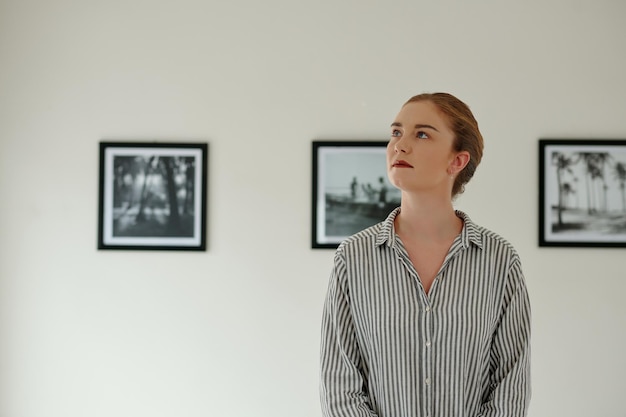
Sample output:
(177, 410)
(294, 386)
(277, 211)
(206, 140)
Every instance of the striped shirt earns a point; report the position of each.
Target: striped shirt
(388, 349)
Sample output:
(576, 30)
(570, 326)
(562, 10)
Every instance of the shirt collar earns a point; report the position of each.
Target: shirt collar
(471, 231)
(469, 235)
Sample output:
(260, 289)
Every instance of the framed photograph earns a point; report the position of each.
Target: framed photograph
(350, 189)
(582, 192)
(152, 196)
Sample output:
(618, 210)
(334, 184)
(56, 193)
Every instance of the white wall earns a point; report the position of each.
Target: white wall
(234, 331)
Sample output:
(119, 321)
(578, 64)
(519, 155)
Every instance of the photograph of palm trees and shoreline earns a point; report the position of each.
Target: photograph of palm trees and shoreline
(152, 196)
(583, 192)
(352, 191)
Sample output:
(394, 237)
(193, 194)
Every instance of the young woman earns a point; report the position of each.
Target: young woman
(427, 313)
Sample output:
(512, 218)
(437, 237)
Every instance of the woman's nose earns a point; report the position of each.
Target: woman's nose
(401, 146)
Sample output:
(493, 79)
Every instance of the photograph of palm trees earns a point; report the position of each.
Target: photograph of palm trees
(152, 196)
(350, 189)
(582, 192)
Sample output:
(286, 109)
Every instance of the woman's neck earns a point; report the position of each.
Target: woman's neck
(431, 219)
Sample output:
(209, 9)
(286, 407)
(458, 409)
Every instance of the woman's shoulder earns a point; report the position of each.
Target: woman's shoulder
(371, 236)
(362, 239)
(486, 238)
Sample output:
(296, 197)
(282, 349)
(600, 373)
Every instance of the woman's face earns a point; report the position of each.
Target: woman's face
(420, 155)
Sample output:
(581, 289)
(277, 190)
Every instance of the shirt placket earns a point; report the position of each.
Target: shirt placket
(427, 323)
(428, 333)
(427, 357)
(429, 327)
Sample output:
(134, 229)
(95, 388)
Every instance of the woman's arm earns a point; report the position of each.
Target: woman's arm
(341, 380)
(510, 353)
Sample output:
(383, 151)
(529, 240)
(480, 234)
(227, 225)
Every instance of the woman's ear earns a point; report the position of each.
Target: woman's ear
(460, 161)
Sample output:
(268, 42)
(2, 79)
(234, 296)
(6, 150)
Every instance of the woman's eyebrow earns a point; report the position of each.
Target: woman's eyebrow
(421, 126)
(417, 126)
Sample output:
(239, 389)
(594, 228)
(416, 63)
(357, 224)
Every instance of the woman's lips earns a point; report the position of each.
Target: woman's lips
(402, 164)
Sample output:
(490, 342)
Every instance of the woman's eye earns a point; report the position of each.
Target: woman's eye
(396, 133)
(422, 135)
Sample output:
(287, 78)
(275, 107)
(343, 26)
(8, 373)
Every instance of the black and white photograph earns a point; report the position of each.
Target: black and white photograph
(152, 196)
(582, 192)
(351, 191)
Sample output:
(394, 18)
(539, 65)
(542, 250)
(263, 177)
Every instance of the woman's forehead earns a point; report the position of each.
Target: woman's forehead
(422, 112)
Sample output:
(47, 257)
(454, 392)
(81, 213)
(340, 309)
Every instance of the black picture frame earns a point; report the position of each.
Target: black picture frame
(582, 192)
(138, 182)
(339, 208)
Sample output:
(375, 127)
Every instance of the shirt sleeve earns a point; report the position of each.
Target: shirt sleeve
(510, 390)
(342, 381)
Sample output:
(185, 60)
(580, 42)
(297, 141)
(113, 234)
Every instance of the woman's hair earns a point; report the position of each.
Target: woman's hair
(467, 136)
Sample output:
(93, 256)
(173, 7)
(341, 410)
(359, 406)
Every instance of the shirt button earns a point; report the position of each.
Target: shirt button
(428, 309)
(428, 343)
(427, 381)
